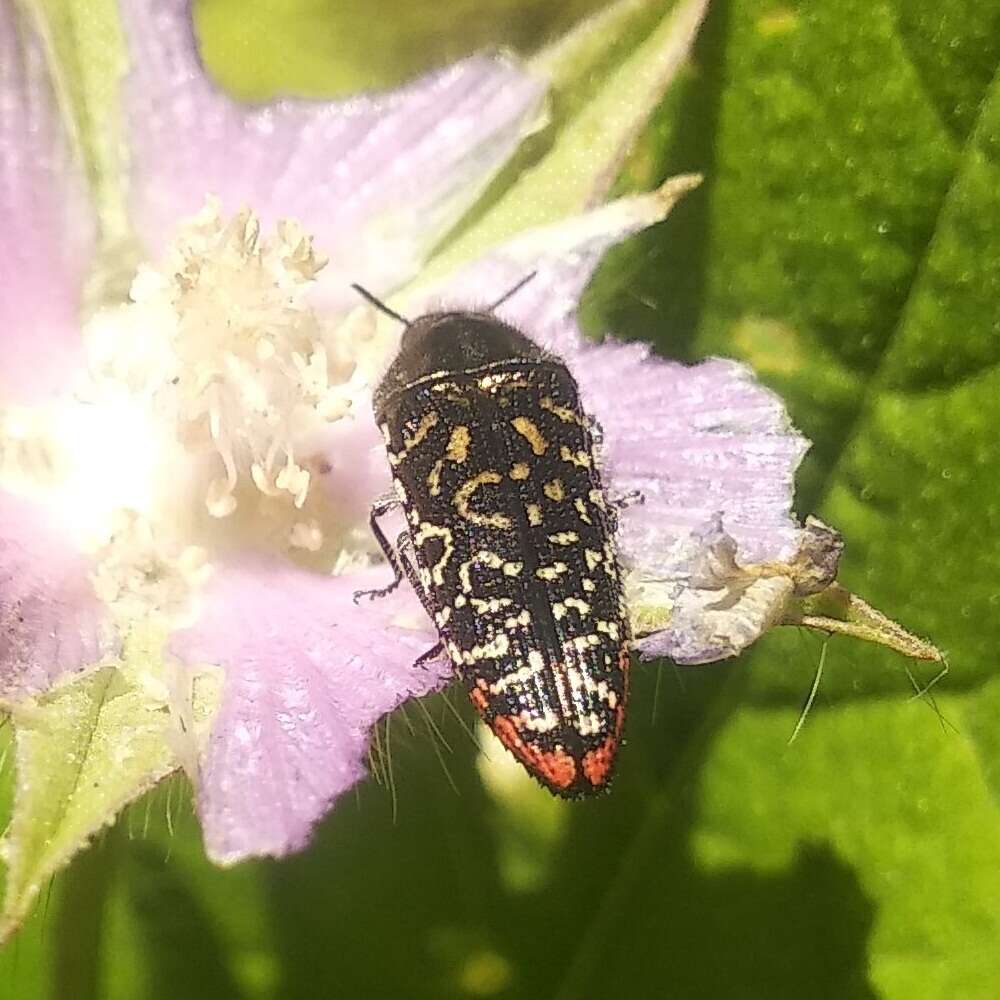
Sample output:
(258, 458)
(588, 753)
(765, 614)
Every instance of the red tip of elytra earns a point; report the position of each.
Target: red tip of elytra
(555, 767)
(597, 763)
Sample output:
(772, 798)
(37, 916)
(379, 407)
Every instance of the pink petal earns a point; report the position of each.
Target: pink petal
(51, 623)
(377, 180)
(699, 443)
(308, 673)
(46, 224)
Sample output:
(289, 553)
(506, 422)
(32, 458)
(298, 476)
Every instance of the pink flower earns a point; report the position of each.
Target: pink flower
(185, 473)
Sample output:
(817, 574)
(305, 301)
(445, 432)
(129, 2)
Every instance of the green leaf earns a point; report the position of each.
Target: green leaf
(324, 48)
(83, 752)
(900, 802)
(574, 163)
(166, 937)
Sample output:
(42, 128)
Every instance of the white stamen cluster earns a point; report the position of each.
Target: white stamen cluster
(214, 387)
(250, 375)
(138, 573)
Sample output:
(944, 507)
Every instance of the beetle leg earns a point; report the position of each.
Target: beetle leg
(407, 561)
(431, 654)
(622, 502)
(381, 507)
(401, 558)
(627, 500)
(596, 432)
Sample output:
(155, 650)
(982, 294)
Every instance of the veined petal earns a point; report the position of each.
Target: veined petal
(698, 442)
(378, 179)
(308, 673)
(51, 623)
(46, 223)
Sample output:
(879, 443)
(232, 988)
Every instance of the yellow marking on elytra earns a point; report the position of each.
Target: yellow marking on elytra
(410, 441)
(534, 514)
(428, 530)
(609, 562)
(581, 509)
(535, 666)
(594, 558)
(588, 585)
(561, 608)
(519, 470)
(554, 490)
(427, 423)
(552, 572)
(597, 499)
(527, 429)
(608, 628)
(578, 458)
(488, 559)
(458, 444)
(434, 477)
(543, 723)
(523, 619)
(564, 413)
(463, 495)
(494, 604)
(564, 538)
(494, 649)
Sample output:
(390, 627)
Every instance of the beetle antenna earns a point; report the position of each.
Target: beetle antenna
(380, 305)
(510, 293)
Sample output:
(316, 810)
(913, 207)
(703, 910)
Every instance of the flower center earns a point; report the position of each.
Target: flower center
(205, 415)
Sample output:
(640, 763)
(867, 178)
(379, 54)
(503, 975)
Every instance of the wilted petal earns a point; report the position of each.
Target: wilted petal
(308, 673)
(51, 623)
(716, 609)
(378, 180)
(46, 224)
(724, 604)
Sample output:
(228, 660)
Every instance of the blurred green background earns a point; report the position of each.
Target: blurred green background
(846, 242)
